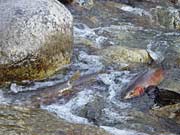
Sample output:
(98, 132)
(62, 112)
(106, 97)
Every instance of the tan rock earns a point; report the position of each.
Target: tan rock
(119, 54)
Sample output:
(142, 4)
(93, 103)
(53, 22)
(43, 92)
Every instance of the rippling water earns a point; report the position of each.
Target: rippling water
(100, 102)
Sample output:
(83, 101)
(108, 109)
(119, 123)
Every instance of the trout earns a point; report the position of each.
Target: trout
(48, 95)
(151, 77)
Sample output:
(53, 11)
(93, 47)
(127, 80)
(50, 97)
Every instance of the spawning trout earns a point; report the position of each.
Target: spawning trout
(48, 95)
(151, 77)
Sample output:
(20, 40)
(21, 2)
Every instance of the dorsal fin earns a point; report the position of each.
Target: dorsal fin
(75, 76)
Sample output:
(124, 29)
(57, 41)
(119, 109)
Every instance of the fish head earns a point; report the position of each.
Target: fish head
(137, 91)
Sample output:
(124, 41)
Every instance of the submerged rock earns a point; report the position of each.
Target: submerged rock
(169, 112)
(167, 17)
(92, 110)
(172, 80)
(18, 120)
(85, 3)
(118, 54)
(35, 39)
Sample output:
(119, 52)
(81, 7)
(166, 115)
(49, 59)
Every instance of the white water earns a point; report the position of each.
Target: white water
(65, 111)
(136, 11)
(115, 131)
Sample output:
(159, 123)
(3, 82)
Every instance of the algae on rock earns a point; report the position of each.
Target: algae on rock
(35, 39)
(119, 54)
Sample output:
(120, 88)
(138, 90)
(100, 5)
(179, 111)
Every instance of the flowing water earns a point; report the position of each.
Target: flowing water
(97, 99)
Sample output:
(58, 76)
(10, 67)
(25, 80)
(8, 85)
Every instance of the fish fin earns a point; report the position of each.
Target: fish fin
(75, 77)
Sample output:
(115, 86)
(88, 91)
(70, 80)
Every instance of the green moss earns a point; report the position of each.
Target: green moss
(50, 58)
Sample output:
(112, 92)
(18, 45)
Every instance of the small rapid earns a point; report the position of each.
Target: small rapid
(96, 96)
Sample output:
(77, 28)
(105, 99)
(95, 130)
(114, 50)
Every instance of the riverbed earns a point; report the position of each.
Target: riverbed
(99, 100)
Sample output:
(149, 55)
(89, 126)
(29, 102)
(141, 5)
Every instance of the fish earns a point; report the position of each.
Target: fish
(51, 94)
(151, 77)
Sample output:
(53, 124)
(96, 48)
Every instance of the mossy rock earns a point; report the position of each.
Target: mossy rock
(119, 54)
(35, 39)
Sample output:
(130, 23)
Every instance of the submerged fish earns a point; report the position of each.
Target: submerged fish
(151, 77)
(51, 94)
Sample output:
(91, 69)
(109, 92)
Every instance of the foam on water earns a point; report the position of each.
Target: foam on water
(89, 63)
(172, 34)
(116, 81)
(97, 36)
(136, 11)
(117, 28)
(3, 100)
(115, 131)
(112, 115)
(100, 40)
(82, 31)
(66, 111)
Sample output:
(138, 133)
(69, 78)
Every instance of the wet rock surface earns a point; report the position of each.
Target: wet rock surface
(171, 112)
(109, 26)
(25, 121)
(120, 54)
(35, 39)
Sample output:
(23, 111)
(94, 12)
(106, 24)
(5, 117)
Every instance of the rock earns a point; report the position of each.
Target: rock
(162, 97)
(118, 54)
(172, 80)
(66, 1)
(18, 120)
(35, 39)
(92, 110)
(167, 17)
(173, 85)
(170, 112)
(85, 3)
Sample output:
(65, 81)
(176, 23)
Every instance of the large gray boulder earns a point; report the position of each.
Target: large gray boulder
(35, 38)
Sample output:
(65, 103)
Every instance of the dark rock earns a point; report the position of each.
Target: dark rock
(162, 97)
(66, 1)
(92, 111)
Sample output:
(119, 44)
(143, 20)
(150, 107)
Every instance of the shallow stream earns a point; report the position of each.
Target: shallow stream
(98, 100)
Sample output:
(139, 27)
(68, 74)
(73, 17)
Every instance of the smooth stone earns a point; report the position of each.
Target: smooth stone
(118, 54)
